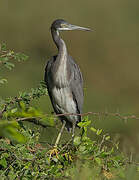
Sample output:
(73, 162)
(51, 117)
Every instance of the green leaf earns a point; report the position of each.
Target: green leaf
(20, 57)
(77, 140)
(93, 129)
(9, 65)
(3, 46)
(4, 59)
(10, 130)
(107, 137)
(2, 81)
(55, 159)
(3, 162)
(99, 131)
(14, 110)
(22, 105)
(5, 155)
(84, 124)
(47, 121)
(82, 148)
(98, 160)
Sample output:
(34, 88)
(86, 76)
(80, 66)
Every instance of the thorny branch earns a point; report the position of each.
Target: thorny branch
(125, 118)
(36, 120)
(33, 120)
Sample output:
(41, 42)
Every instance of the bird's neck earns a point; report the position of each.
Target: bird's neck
(59, 42)
(61, 63)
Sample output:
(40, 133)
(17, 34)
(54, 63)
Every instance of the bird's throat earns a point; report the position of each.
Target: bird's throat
(61, 63)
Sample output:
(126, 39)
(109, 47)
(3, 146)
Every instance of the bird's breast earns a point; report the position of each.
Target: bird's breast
(62, 71)
(64, 101)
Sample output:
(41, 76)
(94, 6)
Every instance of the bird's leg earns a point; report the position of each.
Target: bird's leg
(60, 133)
(54, 151)
(73, 132)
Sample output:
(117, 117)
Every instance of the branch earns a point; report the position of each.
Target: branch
(33, 120)
(100, 114)
(36, 120)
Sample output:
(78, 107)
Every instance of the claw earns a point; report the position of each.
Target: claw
(54, 152)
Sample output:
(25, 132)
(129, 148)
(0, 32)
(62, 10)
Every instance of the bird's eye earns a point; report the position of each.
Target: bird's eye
(63, 25)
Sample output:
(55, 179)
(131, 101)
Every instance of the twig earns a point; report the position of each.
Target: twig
(102, 141)
(100, 113)
(33, 120)
(36, 120)
(7, 168)
(66, 145)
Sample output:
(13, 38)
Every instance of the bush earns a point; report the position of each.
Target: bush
(22, 156)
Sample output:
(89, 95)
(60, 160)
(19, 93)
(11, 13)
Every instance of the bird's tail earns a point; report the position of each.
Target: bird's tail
(69, 125)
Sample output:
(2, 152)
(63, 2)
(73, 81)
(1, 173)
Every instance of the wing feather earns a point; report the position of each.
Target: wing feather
(48, 79)
(76, 85)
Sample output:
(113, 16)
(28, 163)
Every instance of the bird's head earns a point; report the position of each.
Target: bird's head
(62, 25)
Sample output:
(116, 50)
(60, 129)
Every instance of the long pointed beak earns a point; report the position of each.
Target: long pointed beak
(70, 27)
(74, 27)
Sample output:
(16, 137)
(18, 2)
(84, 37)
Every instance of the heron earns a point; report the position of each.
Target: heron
(64, 80)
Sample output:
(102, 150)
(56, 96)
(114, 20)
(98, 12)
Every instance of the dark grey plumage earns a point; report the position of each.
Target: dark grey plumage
(75, 86)
(64, 79)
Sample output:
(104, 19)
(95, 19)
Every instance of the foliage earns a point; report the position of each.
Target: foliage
(9, 129)
(23, 157)
(86, 158)
(6, 56)
(15, 109)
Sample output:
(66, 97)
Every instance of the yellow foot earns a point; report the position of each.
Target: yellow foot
(54, 152)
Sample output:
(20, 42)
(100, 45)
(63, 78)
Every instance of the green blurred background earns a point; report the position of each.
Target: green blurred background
(108, 56)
